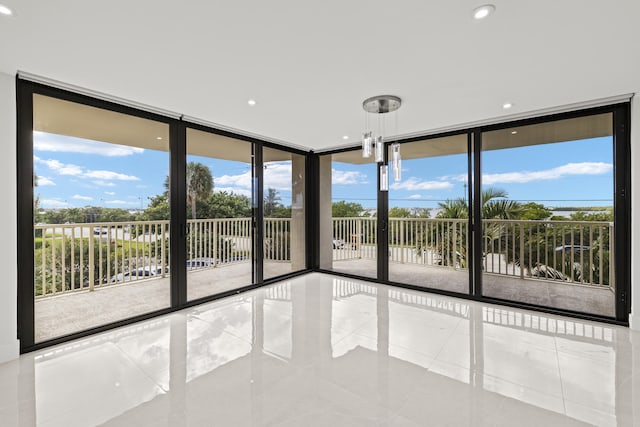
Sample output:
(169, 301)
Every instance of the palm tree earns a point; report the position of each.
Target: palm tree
(452, 237)
(271, 201)
(495, 205)
(199, 184)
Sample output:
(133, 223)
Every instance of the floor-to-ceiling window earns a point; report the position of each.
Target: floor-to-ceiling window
(547, 207)
(348, 214)
(284, 175)
(125, 214)
(429, 215)
(101, 216)
(534, 212)
(220, 216)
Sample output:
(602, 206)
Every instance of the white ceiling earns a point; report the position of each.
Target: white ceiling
(310, 65)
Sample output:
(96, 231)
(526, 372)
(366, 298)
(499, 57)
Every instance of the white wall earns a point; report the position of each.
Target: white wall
(9, 346)
(634, 319)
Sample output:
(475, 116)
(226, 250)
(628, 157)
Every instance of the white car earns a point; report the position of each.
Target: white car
(200, 262)
(139, 274)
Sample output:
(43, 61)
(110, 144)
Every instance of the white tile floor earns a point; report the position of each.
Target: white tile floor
(325, 351)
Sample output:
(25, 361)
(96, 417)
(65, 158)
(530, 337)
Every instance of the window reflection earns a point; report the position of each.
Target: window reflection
(359, 337)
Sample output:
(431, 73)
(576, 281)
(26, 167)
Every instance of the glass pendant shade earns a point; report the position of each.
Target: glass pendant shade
(367, 145)
(379, 149)
(396, 161)
(384, 178)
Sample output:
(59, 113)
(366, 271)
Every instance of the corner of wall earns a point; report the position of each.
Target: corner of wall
(9, 344)
(9, 351)
(634, 318)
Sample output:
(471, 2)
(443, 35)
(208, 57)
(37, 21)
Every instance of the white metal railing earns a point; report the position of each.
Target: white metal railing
(355, 238)
(277, 239)
(577, 252)
(434, 242)
(75, 257)
(72, 257)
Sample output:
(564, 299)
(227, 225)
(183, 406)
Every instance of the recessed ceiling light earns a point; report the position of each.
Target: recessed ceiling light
(158, 138)
(483, 11)
(345, 137)
(4, 10)
(513, 132)
(251, 102)
(507, 105)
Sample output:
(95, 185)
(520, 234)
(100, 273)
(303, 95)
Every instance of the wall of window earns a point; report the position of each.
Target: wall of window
(127, 214)
(533, 213)
(87, 239)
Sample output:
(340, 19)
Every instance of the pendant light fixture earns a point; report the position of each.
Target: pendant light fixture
(373, 142)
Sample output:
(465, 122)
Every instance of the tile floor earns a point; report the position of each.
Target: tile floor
(320, 350)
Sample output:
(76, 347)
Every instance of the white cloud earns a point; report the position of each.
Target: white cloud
(79, 197)
(415, 196)
(75, 170)
(119, 202)
(66, 144)
(348, 177)
(43, 181)
(110, 193)
(109, 175)
(415, 184)
(243, 180)
(276, 175)
(59, 167)
(104, 183)
(53, 203)
(584, 168)
(234, 190)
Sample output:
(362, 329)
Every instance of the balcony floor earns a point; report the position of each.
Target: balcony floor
(72, 312)
(67, 313)
(583, 299)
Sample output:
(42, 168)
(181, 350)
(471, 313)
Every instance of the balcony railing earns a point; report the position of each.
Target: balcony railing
(75, 257)
(576, 252)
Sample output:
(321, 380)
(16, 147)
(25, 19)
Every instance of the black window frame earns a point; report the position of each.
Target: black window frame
(621, 113)
(25, 90)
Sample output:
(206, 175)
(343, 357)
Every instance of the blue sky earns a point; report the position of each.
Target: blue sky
(74, 173)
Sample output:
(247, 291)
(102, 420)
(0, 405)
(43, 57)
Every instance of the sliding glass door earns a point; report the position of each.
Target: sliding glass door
(219, 179)
(547, 207)
(284, 245)
(101, 248)
(126, 214)
(348, 214)
(533, 213)
(429, 215)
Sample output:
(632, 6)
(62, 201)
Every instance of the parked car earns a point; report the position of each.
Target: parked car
(100, 230)
(338, 244)
(139, 273)
(573, 248)
(200, 263)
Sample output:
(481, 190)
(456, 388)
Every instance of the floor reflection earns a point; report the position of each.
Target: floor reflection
(330, 351)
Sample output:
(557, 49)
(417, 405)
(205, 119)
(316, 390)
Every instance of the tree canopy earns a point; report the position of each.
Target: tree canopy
(344, 209)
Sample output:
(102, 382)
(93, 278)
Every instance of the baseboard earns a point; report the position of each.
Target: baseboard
(9, 351)
(634, 322)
